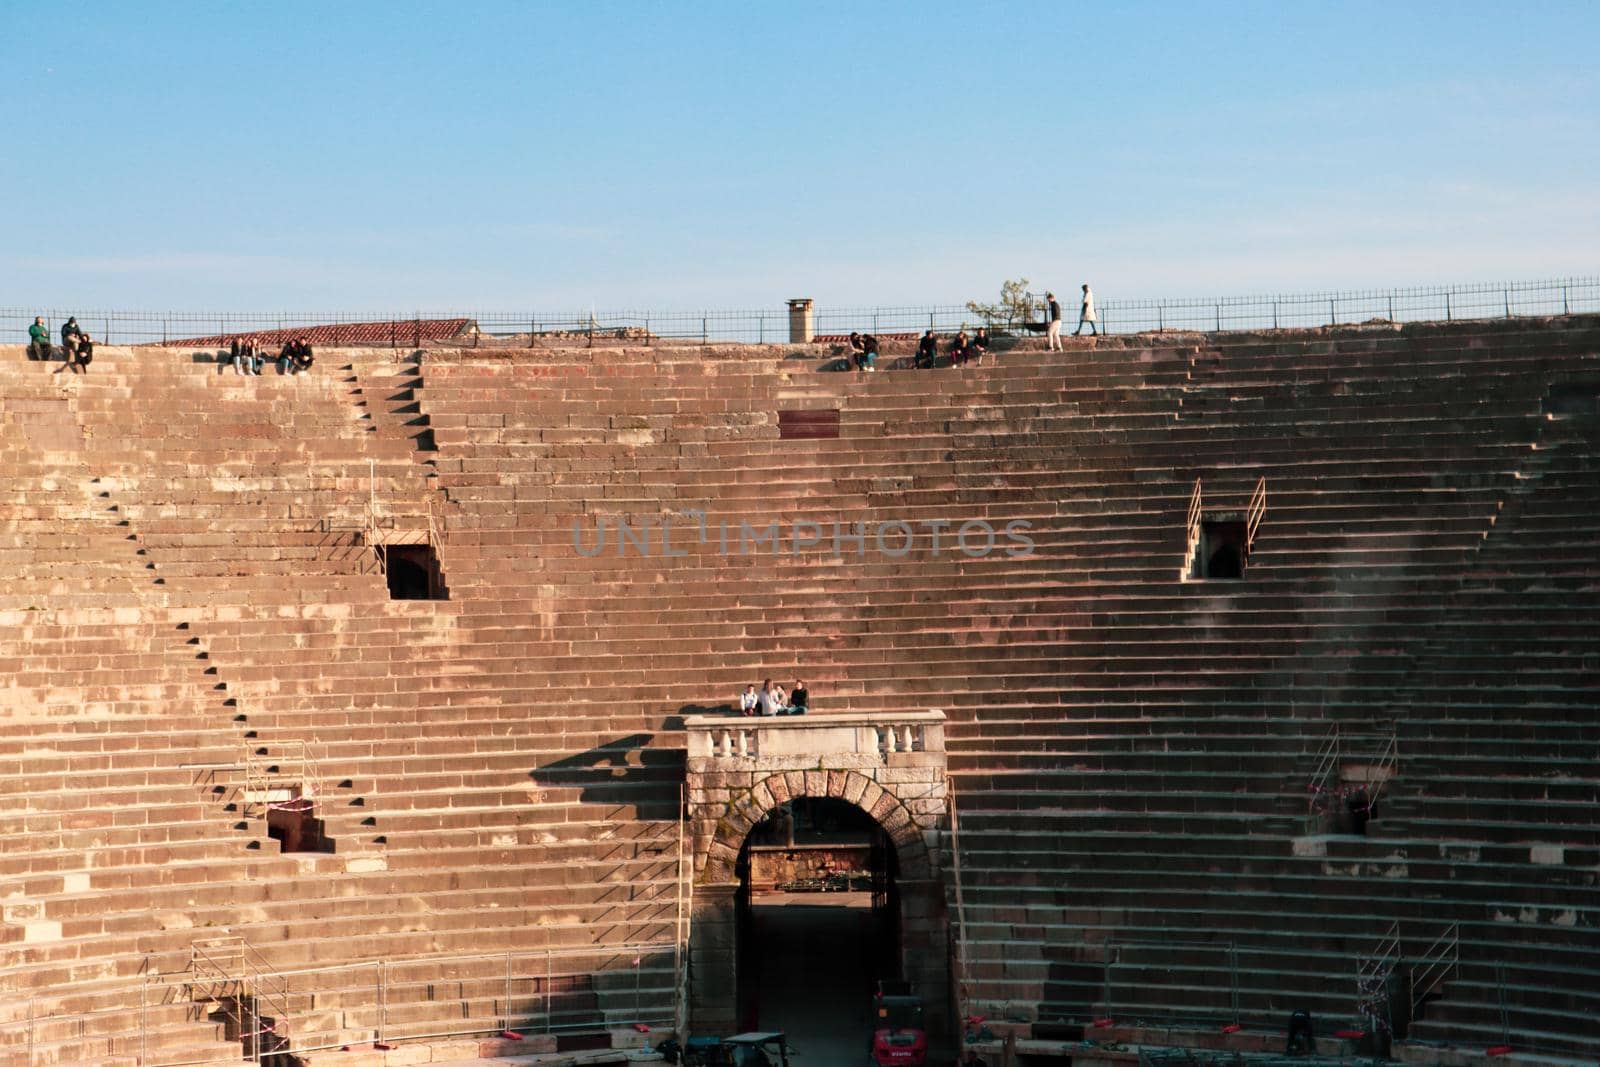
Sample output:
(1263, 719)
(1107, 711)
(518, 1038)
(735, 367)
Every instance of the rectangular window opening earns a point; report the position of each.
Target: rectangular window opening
(1223, 549)
(413, 572)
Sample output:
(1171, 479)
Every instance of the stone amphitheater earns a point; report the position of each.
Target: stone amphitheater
(330, 735)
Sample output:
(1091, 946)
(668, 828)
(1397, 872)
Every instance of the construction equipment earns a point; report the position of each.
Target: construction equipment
(898, 1037)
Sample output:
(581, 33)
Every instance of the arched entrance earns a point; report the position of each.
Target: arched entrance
(809, 887)
(818, 923)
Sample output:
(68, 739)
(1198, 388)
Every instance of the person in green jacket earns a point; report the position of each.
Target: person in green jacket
(38, 339)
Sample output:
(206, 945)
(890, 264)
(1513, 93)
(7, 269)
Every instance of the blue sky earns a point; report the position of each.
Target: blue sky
(512, 156)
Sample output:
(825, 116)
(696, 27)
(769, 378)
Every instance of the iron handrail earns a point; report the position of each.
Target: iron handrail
(1191, 531)
(305, 757)
(1327, 764)
(1372, 978)
(1438, 960)
(622, 949)
(1383, 770)
(382, 983)
(249, 980)
(1486, 300)
(1255, 513)
(251, 964)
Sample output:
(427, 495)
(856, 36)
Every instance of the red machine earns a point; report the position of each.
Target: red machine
(898, 1038)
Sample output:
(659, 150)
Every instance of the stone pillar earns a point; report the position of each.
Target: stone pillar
(801, 319)
(714, 959)
(925, 954)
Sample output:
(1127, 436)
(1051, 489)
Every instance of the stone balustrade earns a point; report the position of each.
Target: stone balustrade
(796, 742)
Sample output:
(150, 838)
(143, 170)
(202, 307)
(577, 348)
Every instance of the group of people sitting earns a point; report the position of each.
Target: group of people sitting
(76, 344)
(770, 699)
(962, 348)
(864, 349)
(294, 358)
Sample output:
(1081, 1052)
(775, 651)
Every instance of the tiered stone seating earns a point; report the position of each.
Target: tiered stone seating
(1385, 469)
(1129, 749)
(283, 625)
(113, 852)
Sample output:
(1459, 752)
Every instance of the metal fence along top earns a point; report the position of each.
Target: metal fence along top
(1198, 314)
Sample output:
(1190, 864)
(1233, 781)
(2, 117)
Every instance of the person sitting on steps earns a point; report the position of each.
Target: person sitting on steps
(858, 351)
(84, 354)
(38, 339)
(770, 700)
(77, 345)
(960, 349)
(748, 700)
(927, 350)
(980, 344)
(799, 699)
(70, 333)
(302, 356)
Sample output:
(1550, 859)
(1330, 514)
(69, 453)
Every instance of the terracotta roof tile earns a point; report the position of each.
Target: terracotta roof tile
(397, 331)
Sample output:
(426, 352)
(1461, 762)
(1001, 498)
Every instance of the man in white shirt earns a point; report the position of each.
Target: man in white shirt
(748, 700)
(1086, 315)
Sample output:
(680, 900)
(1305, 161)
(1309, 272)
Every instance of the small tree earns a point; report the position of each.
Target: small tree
(1015, 306)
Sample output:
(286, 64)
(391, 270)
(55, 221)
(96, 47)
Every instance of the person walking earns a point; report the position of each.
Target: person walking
(1053, 329)
(1086, 315)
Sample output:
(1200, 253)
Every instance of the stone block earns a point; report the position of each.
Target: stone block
(882, 807)
(778, 786)
(629, 1038)
(854, 787)
(530, 1045)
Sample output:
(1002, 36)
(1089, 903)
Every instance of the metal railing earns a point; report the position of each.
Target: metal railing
(1487, 300)
(1382, 770)
(1373, 972)
(1379, 749)
(1226, 958)
(551, 991)
(1438, 963)
(291, 780)
(229, 972)
(1191, 525)
(1327, 767)
(436, 526)
(1254, 513)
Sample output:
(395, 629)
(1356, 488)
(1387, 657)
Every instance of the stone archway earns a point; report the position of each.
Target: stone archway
(914, 840)
(741, 770)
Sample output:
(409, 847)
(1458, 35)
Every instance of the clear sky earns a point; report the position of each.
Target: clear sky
(485, 156)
